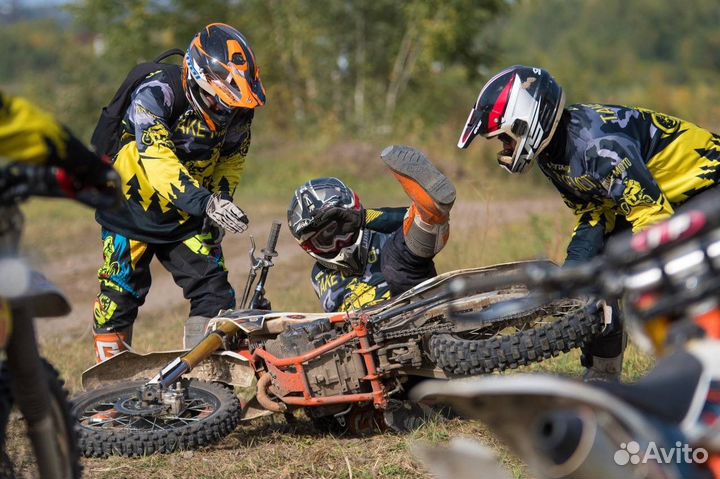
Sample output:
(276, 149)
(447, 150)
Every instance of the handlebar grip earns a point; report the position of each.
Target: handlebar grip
(273, 238)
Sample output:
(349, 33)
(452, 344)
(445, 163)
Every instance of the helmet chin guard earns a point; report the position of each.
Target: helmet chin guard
(351, 259)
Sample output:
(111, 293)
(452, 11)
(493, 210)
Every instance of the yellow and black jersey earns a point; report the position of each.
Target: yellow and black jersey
(30, 135)
(169, 167)
(340, 292)
(615, 163)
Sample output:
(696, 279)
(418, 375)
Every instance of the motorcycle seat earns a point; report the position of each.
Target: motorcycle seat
(666, 392)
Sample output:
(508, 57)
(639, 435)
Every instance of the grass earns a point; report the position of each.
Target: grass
(496, 220)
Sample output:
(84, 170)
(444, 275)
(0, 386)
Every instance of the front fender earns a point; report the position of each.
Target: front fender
(26, 289)
(222, 366)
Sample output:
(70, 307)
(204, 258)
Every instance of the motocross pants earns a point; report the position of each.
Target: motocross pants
(402, 268)
(196, 266)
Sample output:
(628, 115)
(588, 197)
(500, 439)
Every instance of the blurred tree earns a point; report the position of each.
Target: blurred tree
(324, 62)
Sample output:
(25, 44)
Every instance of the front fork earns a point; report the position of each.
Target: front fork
(31, 392)
(212, 341)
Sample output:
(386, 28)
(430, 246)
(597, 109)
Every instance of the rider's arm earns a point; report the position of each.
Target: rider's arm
(231, 165)
(384, 220)
(29, 135)
(588, 240)
(150, 109)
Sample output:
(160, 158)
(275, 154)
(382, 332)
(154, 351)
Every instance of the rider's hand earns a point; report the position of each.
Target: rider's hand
(102, 190)
(348, 220)
(222, 211)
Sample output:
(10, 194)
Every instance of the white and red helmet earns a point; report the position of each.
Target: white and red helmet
(521, 106)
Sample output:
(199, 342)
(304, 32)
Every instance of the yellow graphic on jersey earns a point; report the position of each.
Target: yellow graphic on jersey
(688, 164)
(362, 295)
(157, 135)
(634, 195)
(665, 123)
(372, 215)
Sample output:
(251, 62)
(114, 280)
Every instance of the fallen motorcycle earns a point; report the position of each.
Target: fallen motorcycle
(27, 381)
(343, 369)
(664, 425)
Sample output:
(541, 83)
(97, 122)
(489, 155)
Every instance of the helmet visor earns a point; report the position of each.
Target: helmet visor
(329, 240)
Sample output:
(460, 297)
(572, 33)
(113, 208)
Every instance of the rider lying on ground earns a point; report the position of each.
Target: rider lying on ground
(366, 256)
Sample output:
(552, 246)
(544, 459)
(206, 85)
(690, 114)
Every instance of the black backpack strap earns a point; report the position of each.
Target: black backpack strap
(168, 54)
(180, 102)
(174, 75)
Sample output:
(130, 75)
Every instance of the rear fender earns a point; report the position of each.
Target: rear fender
(225, 367)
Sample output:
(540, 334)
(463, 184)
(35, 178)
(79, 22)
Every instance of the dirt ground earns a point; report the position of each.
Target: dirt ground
(75, 269)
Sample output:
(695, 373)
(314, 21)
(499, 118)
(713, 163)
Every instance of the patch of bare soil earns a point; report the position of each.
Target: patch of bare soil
(75, 271)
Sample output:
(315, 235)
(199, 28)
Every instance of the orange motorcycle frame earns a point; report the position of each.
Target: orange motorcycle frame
(282, 378)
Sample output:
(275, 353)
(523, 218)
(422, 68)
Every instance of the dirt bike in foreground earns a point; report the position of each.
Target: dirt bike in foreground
(27, 380)
(663, 426)
(346, 370)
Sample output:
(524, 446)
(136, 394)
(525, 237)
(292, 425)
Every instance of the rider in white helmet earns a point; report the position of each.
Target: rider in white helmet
(617, 167)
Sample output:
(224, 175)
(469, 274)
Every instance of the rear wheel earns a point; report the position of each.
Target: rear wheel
(113, 422)
(518, 340)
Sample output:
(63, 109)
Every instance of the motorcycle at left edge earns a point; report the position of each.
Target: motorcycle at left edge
(28, 381)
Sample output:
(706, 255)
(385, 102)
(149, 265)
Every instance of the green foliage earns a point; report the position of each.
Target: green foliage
(333, 66)
(660, 54)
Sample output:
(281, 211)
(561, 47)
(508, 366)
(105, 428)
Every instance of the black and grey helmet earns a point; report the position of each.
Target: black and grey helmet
(325, 217)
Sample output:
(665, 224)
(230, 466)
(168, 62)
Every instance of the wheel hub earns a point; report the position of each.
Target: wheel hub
(135, 407)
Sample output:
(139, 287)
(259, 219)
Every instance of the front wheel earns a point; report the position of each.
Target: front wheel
(112, 422)
(562, 326)
(17, 455)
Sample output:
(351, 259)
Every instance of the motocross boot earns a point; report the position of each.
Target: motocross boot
(605, 369)
(426, 226)
(111, 343)
(194, 331)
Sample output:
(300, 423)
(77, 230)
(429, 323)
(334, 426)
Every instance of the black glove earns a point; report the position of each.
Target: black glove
(348, 220)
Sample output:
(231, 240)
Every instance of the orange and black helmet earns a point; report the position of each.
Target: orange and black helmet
(220, 74)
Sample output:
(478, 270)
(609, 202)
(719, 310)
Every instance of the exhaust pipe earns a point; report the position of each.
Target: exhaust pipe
(574, 446)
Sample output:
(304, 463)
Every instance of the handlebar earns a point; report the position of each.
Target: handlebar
(269, 250)
(607, 275)
(20, 181)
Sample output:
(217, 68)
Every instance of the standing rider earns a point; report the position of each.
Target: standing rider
(617, 167)
(179, 176)
(365, 256)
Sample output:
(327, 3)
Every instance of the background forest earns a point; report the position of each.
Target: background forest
(368, 67)
(344, 78)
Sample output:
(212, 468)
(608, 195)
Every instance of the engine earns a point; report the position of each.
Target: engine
(336, 372)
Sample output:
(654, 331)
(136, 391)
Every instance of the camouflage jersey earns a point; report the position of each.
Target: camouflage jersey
(338, 292)
(170, 168)
(616, 163)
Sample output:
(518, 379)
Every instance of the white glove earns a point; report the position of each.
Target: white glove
(222, 211)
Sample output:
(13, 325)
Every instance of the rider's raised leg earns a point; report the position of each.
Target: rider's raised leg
(426, 226)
